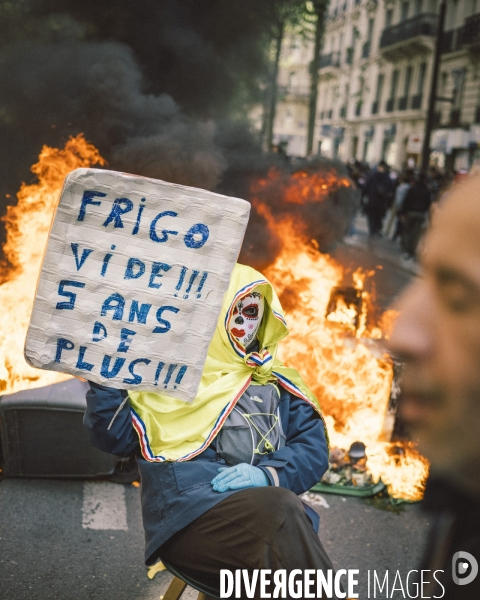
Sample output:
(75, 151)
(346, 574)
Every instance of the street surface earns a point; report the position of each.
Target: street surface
(83, 540)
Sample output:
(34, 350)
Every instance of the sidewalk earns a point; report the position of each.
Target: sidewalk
(387, 251)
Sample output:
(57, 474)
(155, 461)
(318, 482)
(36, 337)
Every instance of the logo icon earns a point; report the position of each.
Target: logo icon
(464, 568)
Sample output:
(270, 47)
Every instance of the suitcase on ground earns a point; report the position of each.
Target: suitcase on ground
(42, 434)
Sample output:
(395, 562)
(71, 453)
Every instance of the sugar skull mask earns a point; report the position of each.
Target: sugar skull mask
(246, 318)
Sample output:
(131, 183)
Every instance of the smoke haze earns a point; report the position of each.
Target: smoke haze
(162, 88)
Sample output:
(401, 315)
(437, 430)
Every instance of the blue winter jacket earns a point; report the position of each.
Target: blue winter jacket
(174, 494)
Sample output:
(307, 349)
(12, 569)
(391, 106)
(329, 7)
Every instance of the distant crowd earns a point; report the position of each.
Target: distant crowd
(397, 204)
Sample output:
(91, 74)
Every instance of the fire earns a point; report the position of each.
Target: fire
(27, 226)
(337, 343)
(334, 337)
(302, 187)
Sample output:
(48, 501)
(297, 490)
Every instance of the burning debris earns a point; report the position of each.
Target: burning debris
(336, 338)
(333, 333)
(348, 468)
(345, 306)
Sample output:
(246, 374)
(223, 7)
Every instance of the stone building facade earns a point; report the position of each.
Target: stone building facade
(375, 77)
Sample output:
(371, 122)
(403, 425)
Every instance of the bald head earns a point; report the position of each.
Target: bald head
(437, 335)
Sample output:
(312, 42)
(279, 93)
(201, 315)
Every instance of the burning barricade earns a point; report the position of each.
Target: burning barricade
(335, 333)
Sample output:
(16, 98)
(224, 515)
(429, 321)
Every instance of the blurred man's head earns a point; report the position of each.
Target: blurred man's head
(382, 166)
(437, 335)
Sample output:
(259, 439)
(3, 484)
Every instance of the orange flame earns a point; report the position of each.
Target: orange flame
(301, 186)
(27, 226)
(337, 346)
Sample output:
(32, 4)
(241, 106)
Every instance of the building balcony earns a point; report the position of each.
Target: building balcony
(294, 92)
(375, 107)
(409, 38)
(417, 101)
(329, 64)
(390, 104)
(330, 60)
(467, 36)
(470, 34)
(402, 103)
(450, 40)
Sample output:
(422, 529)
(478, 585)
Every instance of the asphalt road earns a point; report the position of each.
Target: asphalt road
(52, 546)
(83, 540)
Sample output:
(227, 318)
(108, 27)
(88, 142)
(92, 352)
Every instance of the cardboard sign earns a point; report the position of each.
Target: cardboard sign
(132, 281)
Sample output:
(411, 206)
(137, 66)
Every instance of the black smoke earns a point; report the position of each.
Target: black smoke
(145, 82)
(163, 88)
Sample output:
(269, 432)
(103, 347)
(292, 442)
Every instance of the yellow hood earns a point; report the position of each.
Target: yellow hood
(170, 429)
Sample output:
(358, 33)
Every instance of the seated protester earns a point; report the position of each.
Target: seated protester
(221, 475)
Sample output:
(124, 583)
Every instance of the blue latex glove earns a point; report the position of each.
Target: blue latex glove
(239, 477)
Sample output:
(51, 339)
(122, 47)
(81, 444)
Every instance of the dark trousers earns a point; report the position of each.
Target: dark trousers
(412, 231)
(256, 528)
(375, 220)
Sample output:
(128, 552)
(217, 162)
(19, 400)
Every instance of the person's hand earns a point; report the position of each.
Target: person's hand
(239, 477)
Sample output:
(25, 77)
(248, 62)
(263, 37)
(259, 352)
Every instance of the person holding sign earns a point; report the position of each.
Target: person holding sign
(221, 475)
